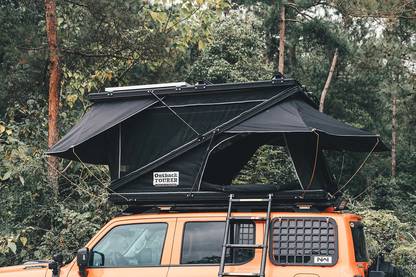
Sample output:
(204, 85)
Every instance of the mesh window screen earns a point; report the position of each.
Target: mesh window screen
(243, 234)
(304, 241)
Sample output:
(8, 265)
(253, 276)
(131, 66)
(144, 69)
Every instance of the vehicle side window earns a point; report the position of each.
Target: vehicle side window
(202, 242)
(130, 245)
(358, 237)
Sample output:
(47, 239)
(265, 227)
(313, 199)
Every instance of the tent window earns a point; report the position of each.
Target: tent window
(269, 165)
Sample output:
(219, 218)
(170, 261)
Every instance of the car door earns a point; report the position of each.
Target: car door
(132, 248)
(198, 246)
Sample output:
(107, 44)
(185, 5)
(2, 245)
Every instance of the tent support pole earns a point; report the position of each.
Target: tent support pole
(293, 164)
(177, 115)
(202, 167)
(119, 150)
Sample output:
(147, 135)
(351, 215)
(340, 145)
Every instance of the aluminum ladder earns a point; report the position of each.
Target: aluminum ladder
(263, 246)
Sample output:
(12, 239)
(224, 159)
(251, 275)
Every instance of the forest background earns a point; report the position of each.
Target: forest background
(359, 54)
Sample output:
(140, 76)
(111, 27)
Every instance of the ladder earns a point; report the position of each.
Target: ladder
(263, 246)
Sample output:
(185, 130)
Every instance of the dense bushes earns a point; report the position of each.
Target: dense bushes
(38, 220)
(383, 228)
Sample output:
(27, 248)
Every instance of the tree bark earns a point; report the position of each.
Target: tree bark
(393, 137)
(331, 73)
(328, 81)
(54, 82)
(282, 40)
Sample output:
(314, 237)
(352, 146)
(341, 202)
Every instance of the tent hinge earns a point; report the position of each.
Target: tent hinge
(201, 84)
(278, 78)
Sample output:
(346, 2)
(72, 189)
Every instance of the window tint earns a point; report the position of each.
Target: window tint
(130, 245)
(202, 242)
(304, 241)
(358, 237)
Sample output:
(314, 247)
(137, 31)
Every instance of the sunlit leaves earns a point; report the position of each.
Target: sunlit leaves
(202, 45)
(7, 175)
(12, 246)
(237, 52)
(59, 21)
(23, 240)
(192, 18)
(154, 15)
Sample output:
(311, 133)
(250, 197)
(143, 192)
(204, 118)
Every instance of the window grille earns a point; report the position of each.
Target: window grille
(304, 241)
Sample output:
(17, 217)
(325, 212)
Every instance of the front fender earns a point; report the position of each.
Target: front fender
(35, 269)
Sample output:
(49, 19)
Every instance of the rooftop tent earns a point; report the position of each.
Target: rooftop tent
(186, 140)
(94, 137)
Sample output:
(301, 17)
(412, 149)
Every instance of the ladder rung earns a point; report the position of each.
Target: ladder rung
(240, 274)
(263, 246)
(247, 218)
(244, 245)
(249, 200)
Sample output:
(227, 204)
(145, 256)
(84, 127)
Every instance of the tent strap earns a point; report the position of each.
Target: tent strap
(379, 176)
(73, 150)
(314, 166)
(358, 170)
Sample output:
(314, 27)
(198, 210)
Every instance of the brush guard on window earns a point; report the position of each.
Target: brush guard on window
(304, 241)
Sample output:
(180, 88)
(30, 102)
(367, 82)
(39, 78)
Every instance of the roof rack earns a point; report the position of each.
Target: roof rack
(319, 199)
(241, 207)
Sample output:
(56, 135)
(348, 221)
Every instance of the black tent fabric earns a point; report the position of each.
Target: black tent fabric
(197, 139)
(129, 134)
(90, 135)
(296, 116)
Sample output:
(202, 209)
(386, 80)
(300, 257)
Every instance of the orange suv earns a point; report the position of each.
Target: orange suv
(173, 152)
(190, 244)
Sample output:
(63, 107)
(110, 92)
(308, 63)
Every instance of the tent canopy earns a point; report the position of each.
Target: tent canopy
(197, 138)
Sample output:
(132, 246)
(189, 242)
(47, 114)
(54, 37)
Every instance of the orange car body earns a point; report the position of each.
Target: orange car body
(171, 263)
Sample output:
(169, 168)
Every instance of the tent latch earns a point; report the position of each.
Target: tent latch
(201, 84)
(278, 78)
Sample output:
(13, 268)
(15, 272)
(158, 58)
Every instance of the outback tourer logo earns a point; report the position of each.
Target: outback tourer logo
(322, 260)
(166, 179)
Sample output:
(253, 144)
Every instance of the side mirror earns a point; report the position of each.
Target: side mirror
(58, 262)
(82, 260)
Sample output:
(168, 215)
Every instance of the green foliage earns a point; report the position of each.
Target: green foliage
(34, 222)
(236, 55)
(23, 59)
(269, 165)
(101, 43)
(383, 228)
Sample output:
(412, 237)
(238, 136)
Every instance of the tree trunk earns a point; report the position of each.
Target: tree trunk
(331, 73)
(328, 81)
(54, 64)
(393, 138)
(282, 40)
